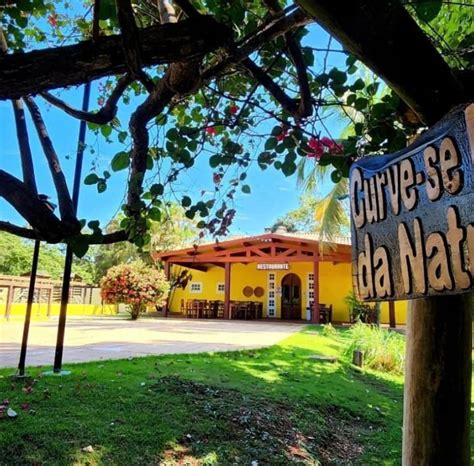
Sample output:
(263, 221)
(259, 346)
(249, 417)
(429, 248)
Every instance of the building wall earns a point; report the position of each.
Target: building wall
(41, 310)
(335, 285)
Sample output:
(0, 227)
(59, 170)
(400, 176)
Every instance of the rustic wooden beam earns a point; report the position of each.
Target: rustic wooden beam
(437, 397)
(391, 314)
(205, 259)
(386, 38)
(167, 270)
(75, 64)
(227, 287)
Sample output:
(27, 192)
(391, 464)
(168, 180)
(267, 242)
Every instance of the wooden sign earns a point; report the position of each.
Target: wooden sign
(412, 215)
(272, 267)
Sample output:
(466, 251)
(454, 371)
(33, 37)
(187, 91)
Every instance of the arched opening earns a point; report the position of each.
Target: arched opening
(291, 297)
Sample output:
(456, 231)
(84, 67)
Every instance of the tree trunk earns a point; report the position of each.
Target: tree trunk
(135, 311)
(437, 398)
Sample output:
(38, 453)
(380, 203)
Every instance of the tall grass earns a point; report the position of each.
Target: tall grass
(383, 350)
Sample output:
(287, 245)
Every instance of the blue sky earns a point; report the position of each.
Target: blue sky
(272, 193)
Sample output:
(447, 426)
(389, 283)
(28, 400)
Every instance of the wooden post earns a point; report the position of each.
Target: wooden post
(167, 274)
(358, 358)
(50, 300)
(391, 314)
(315, 314)
(437, 397)
(227, 271)
(10, 295)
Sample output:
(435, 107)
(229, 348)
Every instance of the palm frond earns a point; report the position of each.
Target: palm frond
(332, 214)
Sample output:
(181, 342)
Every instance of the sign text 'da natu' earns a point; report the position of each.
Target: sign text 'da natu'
(413, 215)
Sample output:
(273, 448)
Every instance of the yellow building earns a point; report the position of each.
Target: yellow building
(274, 275)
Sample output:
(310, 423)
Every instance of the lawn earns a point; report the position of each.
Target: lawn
(269, 406)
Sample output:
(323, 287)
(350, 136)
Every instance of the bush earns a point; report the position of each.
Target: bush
(383, 350)
(328, 330)
(359, 311)
(136, 285)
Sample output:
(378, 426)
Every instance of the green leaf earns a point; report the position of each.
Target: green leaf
(288, 168)
(186, 201)
(172, 134)
(427, 10)
(91, 179)
(120, 161)
(106, 130)
(149, 162)
(336, 176)
(101, 186)
(79, 245)
(361, 103)
(154, 214)
(271, 143)
(358, 85)
(214, 160)
(246, 189)
(157, 189)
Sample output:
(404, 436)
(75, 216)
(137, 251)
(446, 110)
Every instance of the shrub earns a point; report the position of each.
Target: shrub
(359, 311)
(328, 330)
(383, 350)
(136, 285)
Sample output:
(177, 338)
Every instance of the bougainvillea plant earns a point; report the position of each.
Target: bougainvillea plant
(238, 83)
(135, 285)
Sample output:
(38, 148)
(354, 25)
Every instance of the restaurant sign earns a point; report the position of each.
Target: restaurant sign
(412, 215)
(272, 267)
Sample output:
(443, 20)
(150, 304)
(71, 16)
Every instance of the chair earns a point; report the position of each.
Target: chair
(325, 313)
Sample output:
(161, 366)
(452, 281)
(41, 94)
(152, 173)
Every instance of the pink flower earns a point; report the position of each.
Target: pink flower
(52, 20)
(317, 148)
(211, 131)
(282, 136)
(233, 109)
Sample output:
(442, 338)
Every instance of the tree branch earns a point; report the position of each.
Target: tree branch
(25, 150)
(33, 210)
(105, 115)
(189, 10)
(89, 60)
(275, 90)
(131, 43)
(66, 207)
(18, 231)
(274, 29)
(21, 132)
(109, 238)
(305, 107)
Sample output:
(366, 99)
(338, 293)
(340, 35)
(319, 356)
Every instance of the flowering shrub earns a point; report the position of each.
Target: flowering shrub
(136, 285)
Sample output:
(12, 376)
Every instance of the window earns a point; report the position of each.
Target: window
(221, 287)
(196, 287)
(271, 308)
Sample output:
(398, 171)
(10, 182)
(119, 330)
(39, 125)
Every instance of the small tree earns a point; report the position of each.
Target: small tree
(136, 285)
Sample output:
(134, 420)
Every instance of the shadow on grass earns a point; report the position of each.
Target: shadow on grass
(274, 406)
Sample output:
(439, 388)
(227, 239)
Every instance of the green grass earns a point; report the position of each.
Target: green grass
(274, 406)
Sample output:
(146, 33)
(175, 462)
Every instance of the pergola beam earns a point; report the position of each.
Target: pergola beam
(83, 62)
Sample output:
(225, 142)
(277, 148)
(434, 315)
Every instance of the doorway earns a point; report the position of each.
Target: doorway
(291, 297)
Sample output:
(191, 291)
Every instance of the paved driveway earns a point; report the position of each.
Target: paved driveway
(96, 338)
